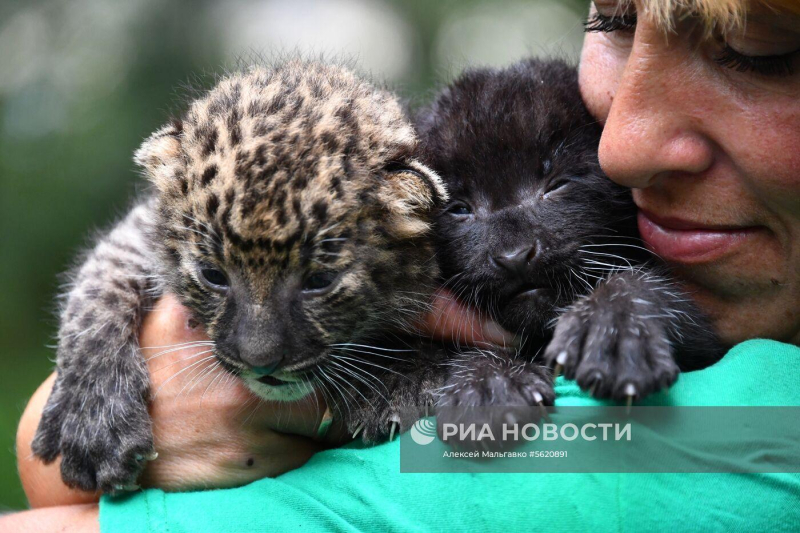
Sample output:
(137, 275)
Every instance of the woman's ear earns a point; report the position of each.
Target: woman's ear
(410, 193)
(161, 157)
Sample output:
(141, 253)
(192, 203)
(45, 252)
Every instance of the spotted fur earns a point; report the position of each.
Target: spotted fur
(290, 216)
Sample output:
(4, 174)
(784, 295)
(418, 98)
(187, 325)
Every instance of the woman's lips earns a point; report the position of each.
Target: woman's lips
(687, 242)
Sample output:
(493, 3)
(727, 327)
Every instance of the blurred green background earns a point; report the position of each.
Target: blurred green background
(83, 82)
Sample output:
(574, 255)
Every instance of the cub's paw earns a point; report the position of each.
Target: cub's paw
(382, 421)
(614, 344)
(390, 406)
(104, 442)
(494, 390)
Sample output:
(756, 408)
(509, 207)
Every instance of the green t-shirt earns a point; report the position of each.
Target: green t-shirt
(355, 488)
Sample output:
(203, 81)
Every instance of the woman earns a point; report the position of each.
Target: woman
(701, 118)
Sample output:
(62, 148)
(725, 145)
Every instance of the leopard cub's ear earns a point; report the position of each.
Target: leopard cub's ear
(161, 157)
(410, 193)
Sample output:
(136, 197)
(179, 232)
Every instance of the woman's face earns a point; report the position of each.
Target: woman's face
(706, 130)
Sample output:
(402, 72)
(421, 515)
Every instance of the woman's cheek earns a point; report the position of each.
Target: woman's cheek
(767, 149)
(601, 67)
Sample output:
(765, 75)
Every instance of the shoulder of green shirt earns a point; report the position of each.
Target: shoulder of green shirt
(358, 488)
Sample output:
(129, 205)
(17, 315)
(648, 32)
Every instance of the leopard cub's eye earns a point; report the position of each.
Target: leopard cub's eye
(459, 209)
(400, 167)
(319, 281)
(214, 278)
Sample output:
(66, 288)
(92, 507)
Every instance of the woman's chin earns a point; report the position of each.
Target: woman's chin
(743, 301)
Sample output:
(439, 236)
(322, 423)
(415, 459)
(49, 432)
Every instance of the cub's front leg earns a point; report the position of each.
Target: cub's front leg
(493, 387)
(387, 404)
(631, 336)
(96, 417)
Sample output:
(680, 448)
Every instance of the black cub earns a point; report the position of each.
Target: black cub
(538, 238)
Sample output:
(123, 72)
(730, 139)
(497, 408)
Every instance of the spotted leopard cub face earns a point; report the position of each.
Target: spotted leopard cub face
(293, 218)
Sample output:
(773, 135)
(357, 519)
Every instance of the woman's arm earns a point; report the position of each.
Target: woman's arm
(67, 519)
(210, 431)
(42, 483)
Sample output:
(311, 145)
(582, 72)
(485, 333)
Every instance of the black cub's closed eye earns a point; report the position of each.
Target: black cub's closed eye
(459, 209)
(319, 281)
(214, 278)
(556, 186)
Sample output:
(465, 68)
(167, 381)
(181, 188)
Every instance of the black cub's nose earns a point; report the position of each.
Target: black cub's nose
(515, 262)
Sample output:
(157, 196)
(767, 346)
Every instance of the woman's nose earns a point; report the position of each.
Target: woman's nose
(653, 127)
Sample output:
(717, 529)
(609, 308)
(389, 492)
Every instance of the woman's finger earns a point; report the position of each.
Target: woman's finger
(185, 374)
(210, 430)
(451, 320)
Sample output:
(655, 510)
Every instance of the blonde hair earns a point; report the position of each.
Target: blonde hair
(715, 14)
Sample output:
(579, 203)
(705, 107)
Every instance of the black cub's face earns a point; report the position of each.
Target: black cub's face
(518, 153)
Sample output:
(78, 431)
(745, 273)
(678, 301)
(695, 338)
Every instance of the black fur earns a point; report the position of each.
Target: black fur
(533, 227)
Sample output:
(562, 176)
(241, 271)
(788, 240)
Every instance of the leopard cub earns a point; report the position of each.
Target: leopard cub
(290, 216)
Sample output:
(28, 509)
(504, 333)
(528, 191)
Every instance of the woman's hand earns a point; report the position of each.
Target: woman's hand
(210, 431)
(451, 320)
(42, 483)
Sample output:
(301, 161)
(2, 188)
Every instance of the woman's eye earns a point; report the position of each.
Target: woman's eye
(319, 281)
(600, 23)
(765, 45)
(781, 65)
(775, 51)
(215, 278)
(459, 209)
